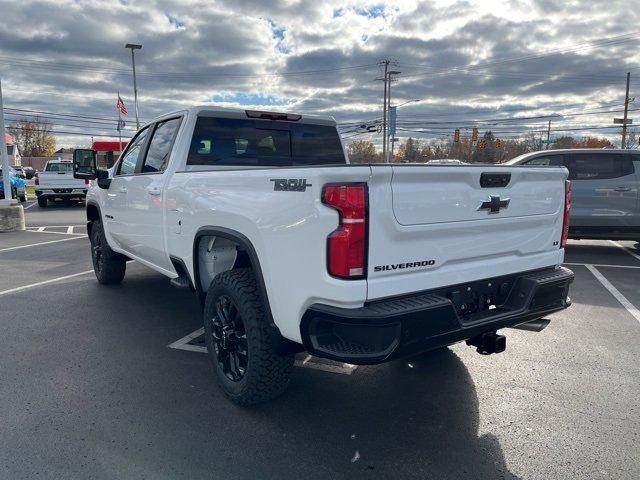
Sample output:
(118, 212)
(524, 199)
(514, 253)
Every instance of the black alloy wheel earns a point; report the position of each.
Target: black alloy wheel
(229, 339)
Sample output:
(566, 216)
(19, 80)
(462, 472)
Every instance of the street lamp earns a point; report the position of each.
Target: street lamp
(133, 47)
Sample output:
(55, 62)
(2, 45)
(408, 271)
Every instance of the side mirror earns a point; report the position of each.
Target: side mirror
(84, 163)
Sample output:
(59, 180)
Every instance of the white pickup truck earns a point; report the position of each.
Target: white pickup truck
(289, 247)
(56, 182)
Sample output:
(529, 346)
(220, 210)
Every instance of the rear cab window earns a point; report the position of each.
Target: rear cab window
(263, 143)
(59, 167)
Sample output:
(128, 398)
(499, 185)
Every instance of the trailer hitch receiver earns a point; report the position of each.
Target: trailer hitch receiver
(488, 342)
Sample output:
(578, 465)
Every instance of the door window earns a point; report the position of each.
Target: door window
(160, 146)
(130, 159)
(599, 166)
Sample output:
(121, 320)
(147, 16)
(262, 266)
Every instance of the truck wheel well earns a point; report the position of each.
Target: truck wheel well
(93, 214)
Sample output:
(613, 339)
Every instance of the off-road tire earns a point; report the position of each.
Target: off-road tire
(267, 373)
(109, 266)
(42, 202)
(23, 198)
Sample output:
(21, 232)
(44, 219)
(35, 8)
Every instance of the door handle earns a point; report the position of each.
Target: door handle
(622, 189)
(123, 189)
(153, 191)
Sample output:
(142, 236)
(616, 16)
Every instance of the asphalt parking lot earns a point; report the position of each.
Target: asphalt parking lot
(90, 387)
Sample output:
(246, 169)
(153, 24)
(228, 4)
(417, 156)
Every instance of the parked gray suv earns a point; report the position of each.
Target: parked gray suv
(605, 203)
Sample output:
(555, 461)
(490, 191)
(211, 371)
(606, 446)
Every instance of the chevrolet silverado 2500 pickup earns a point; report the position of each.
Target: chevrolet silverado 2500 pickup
(56, 182)
(289, 247)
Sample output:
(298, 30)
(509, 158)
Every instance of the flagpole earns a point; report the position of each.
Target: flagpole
(119, 129)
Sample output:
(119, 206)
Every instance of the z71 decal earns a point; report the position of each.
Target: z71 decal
(290, 184)
(400, 266)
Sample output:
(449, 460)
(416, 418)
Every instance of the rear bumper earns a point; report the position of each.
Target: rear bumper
(61, 192)
(387, 329)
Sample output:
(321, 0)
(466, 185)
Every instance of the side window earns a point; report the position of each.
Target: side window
(546, 160)
(599, 166)
(130, 159)
(160, 146)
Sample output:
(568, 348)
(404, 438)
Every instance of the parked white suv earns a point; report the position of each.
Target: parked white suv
(291, 248)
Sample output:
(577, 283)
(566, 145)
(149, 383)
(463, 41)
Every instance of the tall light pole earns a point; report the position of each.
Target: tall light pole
(133, 47)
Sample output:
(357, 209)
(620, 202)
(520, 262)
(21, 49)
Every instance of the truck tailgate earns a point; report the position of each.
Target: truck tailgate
(434, 226)
(59, 180)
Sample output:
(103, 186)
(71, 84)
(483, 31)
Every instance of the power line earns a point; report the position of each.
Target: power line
(47, 64)
(57, 132)
(608, 41)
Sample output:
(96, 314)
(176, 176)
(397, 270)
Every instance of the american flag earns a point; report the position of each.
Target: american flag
(121, 106)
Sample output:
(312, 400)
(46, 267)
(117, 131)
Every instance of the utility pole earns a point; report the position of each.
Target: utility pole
(389, 140)
(626, 109)
(384, 109)
(4, 157)
(133, 47)
(548, 134)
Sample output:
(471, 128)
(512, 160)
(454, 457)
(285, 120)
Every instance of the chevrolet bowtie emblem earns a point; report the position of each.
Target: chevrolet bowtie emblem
(494, 204)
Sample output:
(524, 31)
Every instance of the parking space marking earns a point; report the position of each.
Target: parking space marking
(183, 343)
(29, 206)
(45, 282)
(41, 243)
(69, 229)
(615, 292)
(603, 265)
(308, 361)
(626, 249)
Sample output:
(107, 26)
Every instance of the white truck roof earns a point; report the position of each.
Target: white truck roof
(212, 110)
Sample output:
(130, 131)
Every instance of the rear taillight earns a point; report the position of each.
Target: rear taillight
(567, 211)
(347, 245)
(37, 180)
(87, 181)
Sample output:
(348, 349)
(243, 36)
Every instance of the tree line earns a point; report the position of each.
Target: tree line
(413, 150)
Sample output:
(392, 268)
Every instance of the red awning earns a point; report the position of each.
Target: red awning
(108, 145)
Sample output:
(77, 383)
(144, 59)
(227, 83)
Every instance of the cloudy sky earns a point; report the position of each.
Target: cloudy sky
(508, 66)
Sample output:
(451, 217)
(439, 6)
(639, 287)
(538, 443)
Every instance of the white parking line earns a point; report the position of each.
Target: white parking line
(333, 367)
(41, 243)
(626, 249)
(29, 206)
(54, 232)
(615, 292)
(40, 229)
(183, 343)
(70, 229)
(603, 265)
(46, 282)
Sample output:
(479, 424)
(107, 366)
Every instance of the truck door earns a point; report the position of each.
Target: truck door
(605, 190)
(116, 201)
(144, 232)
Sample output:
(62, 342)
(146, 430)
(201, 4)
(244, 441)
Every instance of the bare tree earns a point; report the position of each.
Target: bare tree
(34, 137)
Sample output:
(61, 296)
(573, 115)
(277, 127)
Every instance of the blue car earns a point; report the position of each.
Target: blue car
(18, 186)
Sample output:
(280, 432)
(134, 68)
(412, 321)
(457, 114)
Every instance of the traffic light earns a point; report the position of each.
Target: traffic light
(456, 135)
(482, 143)
(498, 143)
(474, 134)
